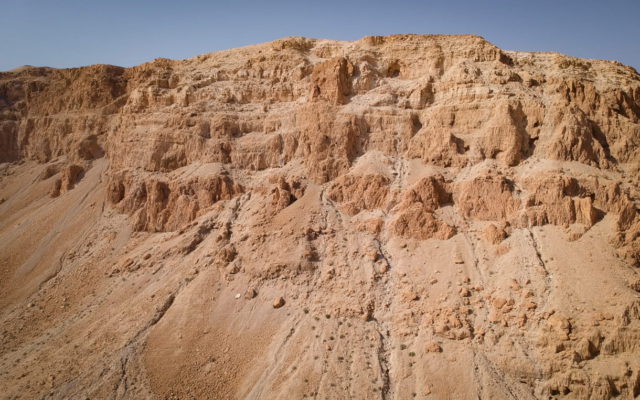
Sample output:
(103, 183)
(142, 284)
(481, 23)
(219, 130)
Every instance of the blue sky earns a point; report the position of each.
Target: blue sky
(67, 33)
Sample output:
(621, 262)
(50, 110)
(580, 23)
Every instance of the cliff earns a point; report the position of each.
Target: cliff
(396, 217)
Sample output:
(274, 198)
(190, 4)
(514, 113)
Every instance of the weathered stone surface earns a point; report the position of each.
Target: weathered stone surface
(407, 195)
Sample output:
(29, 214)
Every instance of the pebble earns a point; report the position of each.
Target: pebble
(278, 302)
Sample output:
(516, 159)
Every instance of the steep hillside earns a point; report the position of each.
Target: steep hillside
(399, 217)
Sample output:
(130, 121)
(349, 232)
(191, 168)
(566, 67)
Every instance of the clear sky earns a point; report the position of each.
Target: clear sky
(67, 33)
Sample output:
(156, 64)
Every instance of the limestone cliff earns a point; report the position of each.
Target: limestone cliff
(396, 217)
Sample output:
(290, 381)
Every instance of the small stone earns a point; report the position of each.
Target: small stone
(498, 302)
(585, 349)
(441, 328)
(278, 302)
(433, 348)
(410, 295)
(250, 294)
(522, 320)
(527, 293)
(607, 316)
(237, 296)
(433, 281)
(147, 256)
(494, 235)
(233, 268)
(464, 292)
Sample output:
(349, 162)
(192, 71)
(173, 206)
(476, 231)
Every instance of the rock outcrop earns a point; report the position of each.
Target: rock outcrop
(445, 219)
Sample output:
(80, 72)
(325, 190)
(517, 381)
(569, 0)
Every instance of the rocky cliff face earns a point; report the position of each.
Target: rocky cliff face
(396, 217)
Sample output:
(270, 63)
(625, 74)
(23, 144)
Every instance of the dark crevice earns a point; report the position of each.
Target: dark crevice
(416, 124)
(601, 138)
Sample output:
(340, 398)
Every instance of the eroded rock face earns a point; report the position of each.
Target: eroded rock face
(384, 205)
(331, 81)
(160, 205)
(488, 198)
(357, 193)
(560, 200)
(285, 192)
(70, 175)
(417, 223)
(416, 211)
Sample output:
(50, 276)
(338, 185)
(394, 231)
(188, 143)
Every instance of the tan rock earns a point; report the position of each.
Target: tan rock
(433, 348)
(250, 293)
(330, 81)
(278, 302)
(411, 295)
(487, 198)
(417, 223)
(358, 193)
(493, 234)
